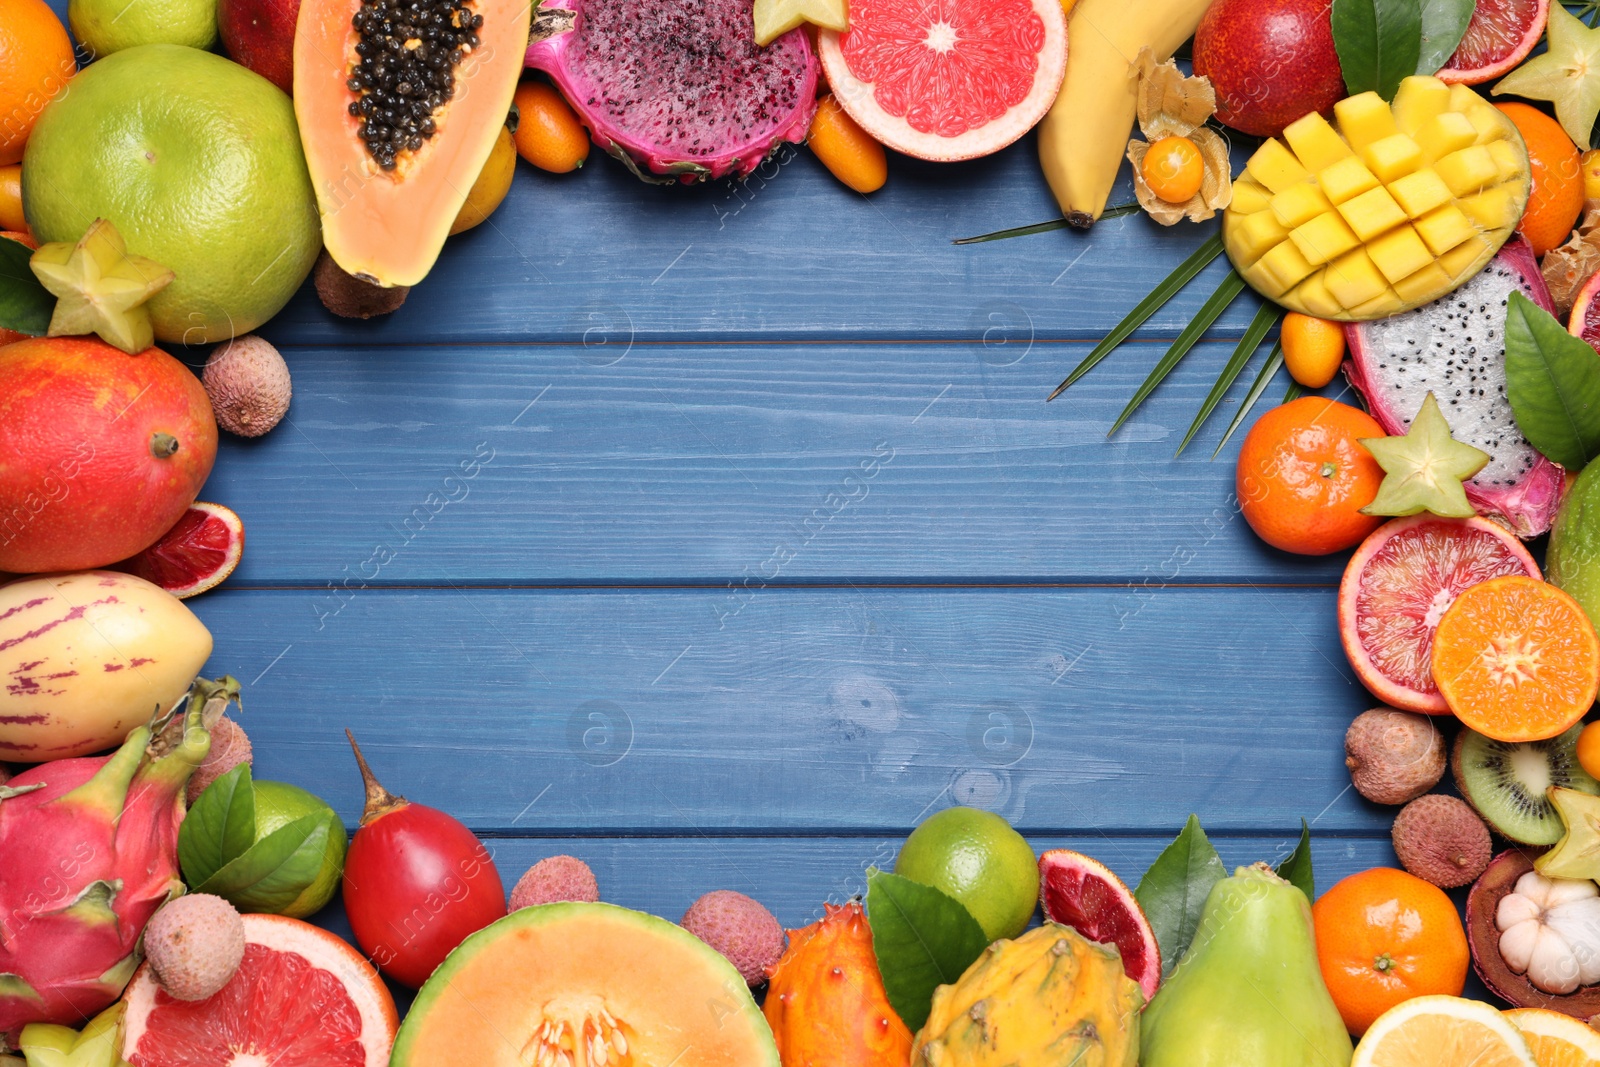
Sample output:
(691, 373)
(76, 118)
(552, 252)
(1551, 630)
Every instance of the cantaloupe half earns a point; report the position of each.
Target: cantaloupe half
(606, 986)
(387, 227)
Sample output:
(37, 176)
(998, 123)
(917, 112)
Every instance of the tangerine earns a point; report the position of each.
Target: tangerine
(36, 60)
(1312, 349)
(1589, 748)
(1384, 937)
(1516, 659)
(1173, 169)
(549, 134)
(848, 151)
(1556, 200)
(11, 217)
(1303, 476)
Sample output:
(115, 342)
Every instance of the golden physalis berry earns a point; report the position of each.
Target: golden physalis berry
(1173, 169)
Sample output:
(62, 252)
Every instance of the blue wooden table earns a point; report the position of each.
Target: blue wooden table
(718, 535)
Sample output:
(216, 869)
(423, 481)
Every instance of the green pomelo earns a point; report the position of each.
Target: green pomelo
(548, 979)
(107, 26)
(1573, 561)
(197, 161)
(277, 805)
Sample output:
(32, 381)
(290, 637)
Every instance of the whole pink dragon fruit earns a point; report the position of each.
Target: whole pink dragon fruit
(1455, 348)
(677, 89)
(90, 851)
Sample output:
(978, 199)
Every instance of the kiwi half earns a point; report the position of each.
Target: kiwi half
(1506, 781)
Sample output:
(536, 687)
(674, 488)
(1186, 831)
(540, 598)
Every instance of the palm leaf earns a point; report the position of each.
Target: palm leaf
(1293, 392)
(1263, 379)
(1227, 292)
(1266, 316)
(1042, 227)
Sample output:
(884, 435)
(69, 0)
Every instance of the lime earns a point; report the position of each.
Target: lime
(197, 162)
(107, 26)
(976, 857)
(277, 805)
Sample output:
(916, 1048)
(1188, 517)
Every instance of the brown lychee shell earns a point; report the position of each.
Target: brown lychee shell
(1483, 937)
(248, 383)
(351, 297)
(1440, 839)
(230, 746)
(1394, 756)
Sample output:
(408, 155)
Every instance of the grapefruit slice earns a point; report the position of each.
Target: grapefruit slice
(1585, 319)
(1500, 35)
(302, 998)
(1077, 891)
(200, 550)
(1399, 583)
(946, 80)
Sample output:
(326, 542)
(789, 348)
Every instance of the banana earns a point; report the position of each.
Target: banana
(1083, 139)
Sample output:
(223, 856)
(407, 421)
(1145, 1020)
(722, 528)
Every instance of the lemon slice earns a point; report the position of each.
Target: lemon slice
(1557, 1040)
(1443, 1032)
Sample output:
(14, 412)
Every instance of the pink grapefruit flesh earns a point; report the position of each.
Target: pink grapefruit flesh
(1585, 319)
(947, 80)
(1398, 584)
(1077, 891)
(1500, 35)
(202, 548)
(301, 998)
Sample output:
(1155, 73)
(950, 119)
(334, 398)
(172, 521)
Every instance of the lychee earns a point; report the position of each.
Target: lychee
(229, 748)
(554, 879)
(739, 928)
(248, 383)
(1393, 756)
(195, 944)
(1441, 840)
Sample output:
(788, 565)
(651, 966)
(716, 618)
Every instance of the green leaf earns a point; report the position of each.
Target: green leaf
(1297, 868)
(1379, 42)
(277, 869)
(1293, 392)
(1042, 227)
(1181, 276)
(1175, 888)
(1227, 292)
(220, 827)
(923, 939)
(1444, 23)
(25, 305)
(1264, 378)
(1266, 315)
(1553, 383)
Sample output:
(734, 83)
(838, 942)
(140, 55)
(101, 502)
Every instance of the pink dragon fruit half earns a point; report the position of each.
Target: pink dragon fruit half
(677, 89)
(1455, 349)
(90, 851)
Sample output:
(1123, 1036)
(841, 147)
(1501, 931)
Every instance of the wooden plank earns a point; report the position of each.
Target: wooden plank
(649, 463)
(803, 709)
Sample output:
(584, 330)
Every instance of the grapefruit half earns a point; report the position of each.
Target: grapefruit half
(302, 998)
(198, 553)
(1079, 892)
(1500, 35)
(947, 80)
(1399, 584)
(1585, 319)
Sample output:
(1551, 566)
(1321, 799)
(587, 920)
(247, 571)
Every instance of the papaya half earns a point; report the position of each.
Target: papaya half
(399, 104)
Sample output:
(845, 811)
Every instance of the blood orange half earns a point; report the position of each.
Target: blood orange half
(200, 550)
(301, 998)
(946, 80)
(1585, 319)
(1077, 891)
(1397, 586)
(1500, 35)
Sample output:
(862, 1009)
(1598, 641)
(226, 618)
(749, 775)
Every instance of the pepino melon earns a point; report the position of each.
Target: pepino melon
(606, 986)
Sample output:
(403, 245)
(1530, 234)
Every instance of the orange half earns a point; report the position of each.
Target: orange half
(1557, 1040)
(1443, 1031)
(1516, 659)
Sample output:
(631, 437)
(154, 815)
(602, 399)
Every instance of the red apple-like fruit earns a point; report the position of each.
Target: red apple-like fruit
(259, 34)
(1270, 61)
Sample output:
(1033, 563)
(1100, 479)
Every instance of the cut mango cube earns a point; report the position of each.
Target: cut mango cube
(1298, 203)
(1346, 178)
(1430, 279)
(1510, 160)
(1444, 228)
(1393, 157)
(1371, 213)
(1419, 192)
(1248, 197)
(1323, 238)
(1313, 295)
(1315, 142)
(1490, 122)
(1354, 279)
(1418, 100)
(1399, 253)
(1364, 119)
(1463, 261)
(1256, 234)
(1275, 167)
(1468, 170)
(1444, 134)
(1284, 266)
(1495, 207)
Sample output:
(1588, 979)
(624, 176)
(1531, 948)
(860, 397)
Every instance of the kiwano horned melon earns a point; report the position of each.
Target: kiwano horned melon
(587, 985)
(1394, 209)
(399, 107)
(1051, 996)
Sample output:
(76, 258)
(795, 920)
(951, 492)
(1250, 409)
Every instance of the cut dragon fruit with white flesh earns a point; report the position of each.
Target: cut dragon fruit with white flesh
(677, 89)
(1455, 349)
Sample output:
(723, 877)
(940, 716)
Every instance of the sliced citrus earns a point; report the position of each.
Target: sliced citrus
(1500, 35)
(1585, 319)
(1441, 1031)
(1397, 586)
(202, 548)
(1557, 1040)
(1077, 891)
(1516, 659)
(302, 998)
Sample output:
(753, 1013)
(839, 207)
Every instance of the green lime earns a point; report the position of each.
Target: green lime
(197, 162)
(976, 857)
(107, 26)
(277, 805)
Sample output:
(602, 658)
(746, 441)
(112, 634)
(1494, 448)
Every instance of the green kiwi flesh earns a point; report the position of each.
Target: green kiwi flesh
(1506, 781)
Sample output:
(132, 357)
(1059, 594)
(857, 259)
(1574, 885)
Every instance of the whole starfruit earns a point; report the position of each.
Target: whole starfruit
(1050, 997)
(1248, 990)
(825, 999)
